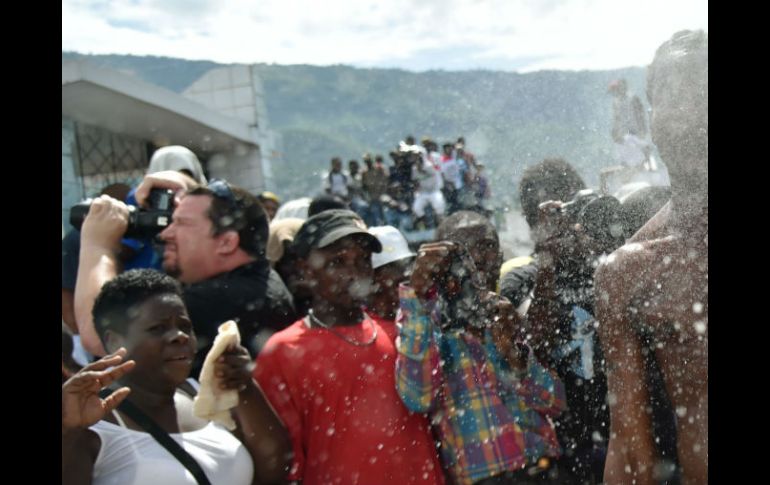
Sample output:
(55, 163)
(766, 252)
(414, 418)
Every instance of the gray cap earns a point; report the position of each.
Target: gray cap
(328, 227)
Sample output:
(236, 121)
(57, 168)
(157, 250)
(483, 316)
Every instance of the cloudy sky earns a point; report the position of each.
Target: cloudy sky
(510, 35)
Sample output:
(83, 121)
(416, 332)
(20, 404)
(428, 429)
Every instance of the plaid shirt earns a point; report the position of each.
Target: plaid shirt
(488, 419)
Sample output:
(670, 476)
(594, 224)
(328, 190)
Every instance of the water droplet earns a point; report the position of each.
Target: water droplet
(697, 307)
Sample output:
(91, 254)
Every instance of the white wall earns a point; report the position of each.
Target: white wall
(71, 188)
(237, 91)
(241, 167)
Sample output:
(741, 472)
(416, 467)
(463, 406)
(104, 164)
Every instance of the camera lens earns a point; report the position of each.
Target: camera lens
(602, 219)
(78, 213)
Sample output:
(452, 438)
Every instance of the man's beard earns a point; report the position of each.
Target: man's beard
(172, 270)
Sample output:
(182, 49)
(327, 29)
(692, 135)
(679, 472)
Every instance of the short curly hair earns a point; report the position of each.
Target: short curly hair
(113, 305)
(550, 179)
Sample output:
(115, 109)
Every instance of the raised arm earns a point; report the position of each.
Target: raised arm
(81, 407)
(168, 179)
(418, 373)
(100, 236)
(418, 369)
(544, 313)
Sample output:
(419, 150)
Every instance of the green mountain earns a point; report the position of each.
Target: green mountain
(509, 120)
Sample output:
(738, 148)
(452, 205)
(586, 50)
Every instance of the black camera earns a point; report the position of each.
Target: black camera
(599, 215)
(466, 308)
(142, 223)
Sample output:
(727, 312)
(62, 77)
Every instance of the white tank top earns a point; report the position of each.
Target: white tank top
(129, 457)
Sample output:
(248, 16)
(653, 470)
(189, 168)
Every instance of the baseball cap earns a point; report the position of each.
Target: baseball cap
(328, 227)
(394, 246)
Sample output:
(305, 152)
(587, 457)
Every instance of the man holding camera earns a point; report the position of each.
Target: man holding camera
(215, 246)
(460, 361)
(570, 237)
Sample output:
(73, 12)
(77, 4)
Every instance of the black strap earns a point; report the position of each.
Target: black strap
(161, 437)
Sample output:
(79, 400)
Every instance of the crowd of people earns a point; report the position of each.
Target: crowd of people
(356, 358)
(421, 186)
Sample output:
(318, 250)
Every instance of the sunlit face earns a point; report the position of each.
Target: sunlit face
(160, 338)
(341, 274)
(190, 245)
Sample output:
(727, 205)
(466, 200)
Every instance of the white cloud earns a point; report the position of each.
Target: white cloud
(524, 35)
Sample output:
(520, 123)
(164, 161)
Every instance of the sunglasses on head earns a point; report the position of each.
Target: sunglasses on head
(222, 190)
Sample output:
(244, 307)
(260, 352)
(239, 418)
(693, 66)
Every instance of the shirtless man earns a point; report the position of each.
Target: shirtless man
(652, 294)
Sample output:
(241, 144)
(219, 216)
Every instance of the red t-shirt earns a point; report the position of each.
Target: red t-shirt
(339, 402)
(388, 325)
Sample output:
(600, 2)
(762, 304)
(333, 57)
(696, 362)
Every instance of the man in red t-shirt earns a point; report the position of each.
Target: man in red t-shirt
(330, 376)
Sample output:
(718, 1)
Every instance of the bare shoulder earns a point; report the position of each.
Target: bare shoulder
(658, 286)
(620, 274)
(657, 227)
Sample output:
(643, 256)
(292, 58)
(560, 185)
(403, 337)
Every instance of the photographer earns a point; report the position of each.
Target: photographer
(215, 246)
(459, 360)
(570, 238)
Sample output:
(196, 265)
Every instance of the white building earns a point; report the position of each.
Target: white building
(113, 122)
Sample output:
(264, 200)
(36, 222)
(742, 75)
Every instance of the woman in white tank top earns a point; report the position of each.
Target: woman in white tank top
(142, 319)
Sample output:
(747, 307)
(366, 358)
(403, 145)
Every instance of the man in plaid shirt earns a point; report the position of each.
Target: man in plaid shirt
(489, 400)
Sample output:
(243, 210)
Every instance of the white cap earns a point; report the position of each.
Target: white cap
(394, 246)
(294, 208)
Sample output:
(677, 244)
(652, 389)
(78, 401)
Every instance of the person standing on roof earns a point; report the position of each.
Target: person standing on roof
(629, 126)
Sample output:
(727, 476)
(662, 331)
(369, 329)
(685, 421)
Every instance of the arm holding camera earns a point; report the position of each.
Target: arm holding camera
(430, 268)
(173, 180)
(100, 247)
(107, 221)
(418, 373)
(551, 245)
